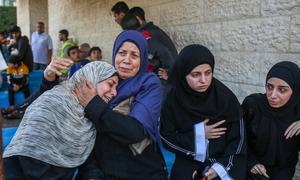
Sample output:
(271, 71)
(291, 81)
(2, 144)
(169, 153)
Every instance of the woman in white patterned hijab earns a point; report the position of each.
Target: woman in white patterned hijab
(54, 129)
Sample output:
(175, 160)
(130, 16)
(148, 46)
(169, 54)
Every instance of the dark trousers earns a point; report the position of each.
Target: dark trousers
(38, 66)
(33, 96)
(11, 93)
(26, 168)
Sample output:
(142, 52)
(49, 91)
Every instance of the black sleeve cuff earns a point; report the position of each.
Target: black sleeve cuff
(95, 108)
(46, 85)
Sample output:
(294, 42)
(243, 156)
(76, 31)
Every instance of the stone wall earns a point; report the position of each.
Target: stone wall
(29, 12)
(23, 16)
(246, 36)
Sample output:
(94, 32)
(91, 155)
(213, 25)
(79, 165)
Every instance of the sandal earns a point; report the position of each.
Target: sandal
(15, 115)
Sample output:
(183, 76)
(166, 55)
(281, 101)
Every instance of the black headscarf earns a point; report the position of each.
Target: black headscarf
(216, 103)
(268, 124)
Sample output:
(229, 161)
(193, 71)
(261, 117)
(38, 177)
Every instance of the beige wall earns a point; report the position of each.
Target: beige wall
(246, 36)
(29, 12)
(23, 16)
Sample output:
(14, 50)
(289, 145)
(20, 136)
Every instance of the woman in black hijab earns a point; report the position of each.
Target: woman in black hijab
(192, 120)
(272, 125)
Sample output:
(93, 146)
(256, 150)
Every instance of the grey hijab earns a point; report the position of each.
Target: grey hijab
(54, 129)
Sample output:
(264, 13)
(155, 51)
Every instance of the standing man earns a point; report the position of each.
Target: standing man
(156, 32)
(67, 43)
(119, 10)
(20, 46)
(41, 43)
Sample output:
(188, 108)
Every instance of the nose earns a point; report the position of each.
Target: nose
(127, 59)
(114, 92)
(203, 78)
(274, 93)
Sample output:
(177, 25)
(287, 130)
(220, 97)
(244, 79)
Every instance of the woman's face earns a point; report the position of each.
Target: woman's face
(278, 92)
(127, 60)
(199, 79)
(107, 89)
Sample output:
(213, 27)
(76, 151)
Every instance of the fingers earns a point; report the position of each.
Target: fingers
(216, 133)
(162, 70)
(288, 129)
(194, 174)
(260, 169)
(254, 170)
(89, 84)
(218, 130)
(58, 64)
(205, 121)
(211, 174)
(291, 130)
(263, 170)
(63, 61)
(298, 132)
(218, 123)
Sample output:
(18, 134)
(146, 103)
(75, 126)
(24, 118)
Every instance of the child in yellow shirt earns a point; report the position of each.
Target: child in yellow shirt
(17, 76)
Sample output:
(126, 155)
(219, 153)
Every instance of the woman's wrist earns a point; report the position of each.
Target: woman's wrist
(49, 75)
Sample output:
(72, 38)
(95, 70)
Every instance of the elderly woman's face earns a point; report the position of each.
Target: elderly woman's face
(127, 60)
(199, 79)
(278, 92)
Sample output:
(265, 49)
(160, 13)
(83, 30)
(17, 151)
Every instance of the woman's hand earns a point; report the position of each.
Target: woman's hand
(211, 131)
(16, 87)
(292, 130)
(84, 91)
(260, 169)
(211, 174)
(162, 74)
(56, 66)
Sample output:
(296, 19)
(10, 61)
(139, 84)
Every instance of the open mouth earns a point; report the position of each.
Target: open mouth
(106, 99)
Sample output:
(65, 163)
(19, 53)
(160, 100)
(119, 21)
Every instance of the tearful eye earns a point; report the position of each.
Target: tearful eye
(282, 90)
(122, 53)
(269, 87)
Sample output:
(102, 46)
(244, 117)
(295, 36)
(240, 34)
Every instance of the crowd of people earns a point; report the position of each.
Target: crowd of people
(108, 121)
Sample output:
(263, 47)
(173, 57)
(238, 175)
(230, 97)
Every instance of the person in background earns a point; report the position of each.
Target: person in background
(84, 50)
(3, 46)
(202, 121)
(3, 53)
(95, 54)
(17, 77)
(273, 125)
(74, 55)
(64, 37)
(119, 10)
(41, 43)
(156, 32)
(20, 46)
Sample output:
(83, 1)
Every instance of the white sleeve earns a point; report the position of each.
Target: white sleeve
(220, 170)
(200, 142)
